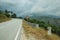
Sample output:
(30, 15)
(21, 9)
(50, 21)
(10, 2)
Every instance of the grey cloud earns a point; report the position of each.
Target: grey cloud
(34, 6)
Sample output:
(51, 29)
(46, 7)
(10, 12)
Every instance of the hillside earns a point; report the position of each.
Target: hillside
(33, 33)
(54, 20)
(3, 18)
(6, 15)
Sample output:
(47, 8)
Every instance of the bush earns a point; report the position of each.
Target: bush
(58, 31)
(13, 16)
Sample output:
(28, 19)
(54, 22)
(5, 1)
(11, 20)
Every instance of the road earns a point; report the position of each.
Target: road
(10, 30)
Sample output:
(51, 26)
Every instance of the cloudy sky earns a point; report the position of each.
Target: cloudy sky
(23, 7)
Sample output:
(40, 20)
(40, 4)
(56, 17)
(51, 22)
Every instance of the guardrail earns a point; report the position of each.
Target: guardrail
(32, 24)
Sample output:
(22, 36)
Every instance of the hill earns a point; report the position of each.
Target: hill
(3, 18)
(55, 20)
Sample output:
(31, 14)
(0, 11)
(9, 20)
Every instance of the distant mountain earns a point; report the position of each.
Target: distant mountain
(54, 20)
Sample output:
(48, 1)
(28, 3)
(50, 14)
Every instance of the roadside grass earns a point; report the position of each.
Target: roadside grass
(38, 33)
(3, 18)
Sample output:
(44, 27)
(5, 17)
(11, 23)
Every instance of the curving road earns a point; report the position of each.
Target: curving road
(10, 30)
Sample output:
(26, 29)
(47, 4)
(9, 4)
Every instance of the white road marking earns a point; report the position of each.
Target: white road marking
(18, 31)
(17, 34)
(11, 30)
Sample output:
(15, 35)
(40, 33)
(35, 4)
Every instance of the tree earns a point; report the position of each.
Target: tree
(7, 13)
(20, 17)
(1, 12)
(14, 15)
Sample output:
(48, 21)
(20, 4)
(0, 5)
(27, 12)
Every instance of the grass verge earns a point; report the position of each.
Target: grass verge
(38, 33)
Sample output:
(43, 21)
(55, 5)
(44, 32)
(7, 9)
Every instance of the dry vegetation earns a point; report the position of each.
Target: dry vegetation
(3, 18)
(38, 33)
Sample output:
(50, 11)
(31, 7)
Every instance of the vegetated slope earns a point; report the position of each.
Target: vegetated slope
(3, 18)
(6, 15)
(52, 19)
(33, 33)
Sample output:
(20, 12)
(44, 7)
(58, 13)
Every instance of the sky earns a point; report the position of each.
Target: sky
(24, 7)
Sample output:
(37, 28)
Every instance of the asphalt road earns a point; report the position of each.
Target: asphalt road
(10, 30)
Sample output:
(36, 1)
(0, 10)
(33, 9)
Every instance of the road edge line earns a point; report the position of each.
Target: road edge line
(18, 31)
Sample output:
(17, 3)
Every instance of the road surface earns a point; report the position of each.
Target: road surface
(10, 30)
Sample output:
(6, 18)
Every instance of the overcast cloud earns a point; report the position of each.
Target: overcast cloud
(33, 6)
